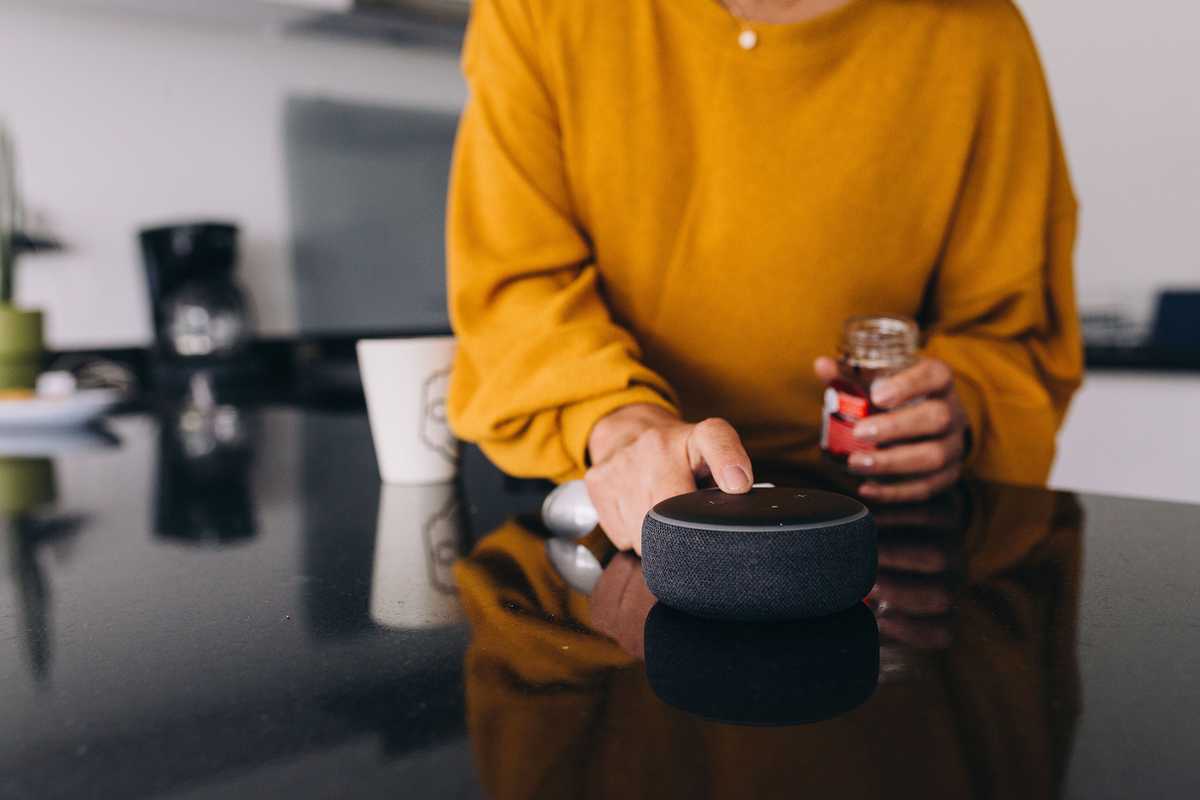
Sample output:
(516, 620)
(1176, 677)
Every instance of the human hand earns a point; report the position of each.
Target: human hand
(643, 454)
(920, 436)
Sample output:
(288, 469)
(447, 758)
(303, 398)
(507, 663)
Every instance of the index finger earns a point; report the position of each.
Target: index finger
(717, 446)
(928, 376)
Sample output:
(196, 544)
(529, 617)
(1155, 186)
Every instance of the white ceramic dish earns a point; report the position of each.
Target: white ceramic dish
(49, 442)
(72, 411)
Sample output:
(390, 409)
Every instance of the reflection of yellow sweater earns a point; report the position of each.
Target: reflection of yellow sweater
(642, 211)
(555, 710)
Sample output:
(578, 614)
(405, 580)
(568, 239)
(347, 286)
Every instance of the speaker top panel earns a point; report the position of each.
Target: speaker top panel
(768, 508)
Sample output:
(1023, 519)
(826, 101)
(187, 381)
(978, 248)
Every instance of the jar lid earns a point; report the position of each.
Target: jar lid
(880, 341)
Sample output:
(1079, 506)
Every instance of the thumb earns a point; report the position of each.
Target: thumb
(825, 368)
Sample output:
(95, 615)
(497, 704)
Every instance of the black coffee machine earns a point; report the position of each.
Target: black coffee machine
(201, 315)
(203, 324)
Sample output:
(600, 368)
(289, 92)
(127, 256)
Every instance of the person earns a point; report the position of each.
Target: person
(661, 212)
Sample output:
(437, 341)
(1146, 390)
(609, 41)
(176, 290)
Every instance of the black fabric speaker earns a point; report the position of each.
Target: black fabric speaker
(763, 673)
(770, 554)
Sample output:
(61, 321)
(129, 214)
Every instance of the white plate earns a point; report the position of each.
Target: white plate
(48, 442)
(72, 411)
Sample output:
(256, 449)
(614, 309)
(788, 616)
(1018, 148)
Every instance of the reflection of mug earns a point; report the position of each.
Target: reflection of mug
(405, 382)
(416, 545)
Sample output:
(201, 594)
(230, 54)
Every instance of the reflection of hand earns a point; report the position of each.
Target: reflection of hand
(913, 595)
(643, 454)
(921, 435)
(913, 610)
(621, 601)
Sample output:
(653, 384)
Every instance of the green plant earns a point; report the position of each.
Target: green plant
(9, 217)
(15, 238)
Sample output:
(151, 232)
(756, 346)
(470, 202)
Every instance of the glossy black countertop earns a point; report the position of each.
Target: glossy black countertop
(250, 613)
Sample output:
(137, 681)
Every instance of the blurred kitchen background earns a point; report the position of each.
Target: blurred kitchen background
(322, 129)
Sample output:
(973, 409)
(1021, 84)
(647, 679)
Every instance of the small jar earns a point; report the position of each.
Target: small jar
(872, 348)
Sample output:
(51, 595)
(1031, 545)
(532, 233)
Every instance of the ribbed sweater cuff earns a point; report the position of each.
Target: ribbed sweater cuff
(578, 420)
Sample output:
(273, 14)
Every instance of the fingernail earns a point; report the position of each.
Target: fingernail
(882, 392)
(736, 479)
(867, 489)
(861, 461)
(865, 430)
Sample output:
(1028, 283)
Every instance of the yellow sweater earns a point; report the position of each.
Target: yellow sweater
(642, 211)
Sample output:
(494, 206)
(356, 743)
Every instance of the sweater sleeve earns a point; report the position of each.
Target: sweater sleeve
(540, 358)
(1001, 310)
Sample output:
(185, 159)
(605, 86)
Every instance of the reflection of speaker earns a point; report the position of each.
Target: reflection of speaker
(772, 553)
(763, 673)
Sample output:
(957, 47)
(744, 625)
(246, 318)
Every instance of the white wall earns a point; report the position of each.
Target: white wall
(124, 119)
(1124, 80)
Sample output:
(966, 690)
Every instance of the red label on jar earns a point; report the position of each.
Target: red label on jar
(840, 438)
(842, 411)
(852, 406)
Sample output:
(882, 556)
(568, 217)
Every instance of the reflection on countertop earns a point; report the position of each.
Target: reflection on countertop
(37, 529)
(977, 606)
(144, 667)
(330, 636)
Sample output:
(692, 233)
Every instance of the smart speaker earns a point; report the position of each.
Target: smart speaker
(770, 554)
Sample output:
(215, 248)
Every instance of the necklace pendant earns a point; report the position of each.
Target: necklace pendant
(747, 39)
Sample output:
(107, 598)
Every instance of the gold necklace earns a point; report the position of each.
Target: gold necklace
(747, 38)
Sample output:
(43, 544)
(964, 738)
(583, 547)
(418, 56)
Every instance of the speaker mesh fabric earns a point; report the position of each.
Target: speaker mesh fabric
(760, 574)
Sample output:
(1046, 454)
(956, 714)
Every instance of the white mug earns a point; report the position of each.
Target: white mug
(416, 545)
(405, 382)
